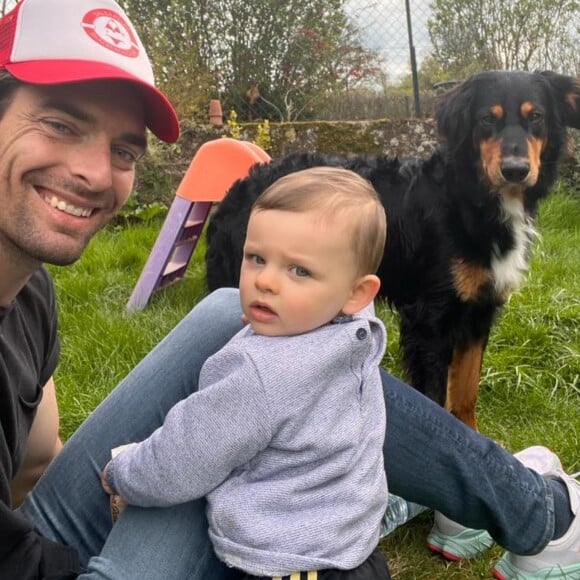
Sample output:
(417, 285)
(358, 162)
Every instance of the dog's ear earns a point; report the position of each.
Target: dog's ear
(567, 92)
(453, 114)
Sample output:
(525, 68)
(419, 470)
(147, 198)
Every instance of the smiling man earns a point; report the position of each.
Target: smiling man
(77, 95)
(67, 164)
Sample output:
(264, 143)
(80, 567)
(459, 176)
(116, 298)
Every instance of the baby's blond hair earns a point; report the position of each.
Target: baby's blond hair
(335, 191)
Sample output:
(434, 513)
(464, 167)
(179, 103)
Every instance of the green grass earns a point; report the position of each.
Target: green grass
(530, 388)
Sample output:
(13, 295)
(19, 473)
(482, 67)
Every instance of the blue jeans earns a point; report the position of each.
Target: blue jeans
(431, 459)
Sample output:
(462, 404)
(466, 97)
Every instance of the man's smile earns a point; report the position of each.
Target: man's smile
(67, 207)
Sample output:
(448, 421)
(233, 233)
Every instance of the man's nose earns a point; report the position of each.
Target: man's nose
(91, 162)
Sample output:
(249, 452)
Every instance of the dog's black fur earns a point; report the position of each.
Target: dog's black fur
(460, 223)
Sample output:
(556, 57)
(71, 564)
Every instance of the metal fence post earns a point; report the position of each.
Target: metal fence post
(414, 74)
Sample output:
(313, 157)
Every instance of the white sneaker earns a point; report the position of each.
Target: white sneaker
(540, 459)
(560, 559)
(456, 542)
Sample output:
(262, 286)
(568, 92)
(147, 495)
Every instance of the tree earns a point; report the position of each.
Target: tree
(470, 35)
(279, 57)
(174, 33)
(287, 54)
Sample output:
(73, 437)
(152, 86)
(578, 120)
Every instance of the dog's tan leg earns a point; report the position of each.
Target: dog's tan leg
(463, 383)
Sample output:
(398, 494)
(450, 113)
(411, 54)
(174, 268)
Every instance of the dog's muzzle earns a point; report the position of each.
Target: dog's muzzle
(515, 169)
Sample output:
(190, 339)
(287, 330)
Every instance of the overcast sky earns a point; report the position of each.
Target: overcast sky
(384, 27)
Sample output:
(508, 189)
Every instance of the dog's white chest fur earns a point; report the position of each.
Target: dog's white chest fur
(509, 268)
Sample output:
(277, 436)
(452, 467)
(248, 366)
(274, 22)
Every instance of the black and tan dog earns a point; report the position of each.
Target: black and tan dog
(460, 223)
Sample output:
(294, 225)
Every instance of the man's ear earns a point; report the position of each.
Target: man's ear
(362, 294)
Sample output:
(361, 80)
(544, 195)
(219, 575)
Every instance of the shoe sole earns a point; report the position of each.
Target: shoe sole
(466, 544)
(506, 570)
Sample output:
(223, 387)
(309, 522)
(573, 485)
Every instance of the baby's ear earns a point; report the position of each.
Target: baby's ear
(362, 294)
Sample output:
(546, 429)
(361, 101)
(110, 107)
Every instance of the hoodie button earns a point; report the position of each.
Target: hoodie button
(361, 333)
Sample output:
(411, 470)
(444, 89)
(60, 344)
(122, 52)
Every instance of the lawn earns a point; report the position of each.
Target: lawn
(530, 388)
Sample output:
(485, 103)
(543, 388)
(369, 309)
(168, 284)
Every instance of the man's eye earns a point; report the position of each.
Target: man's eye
(126, 154)
(58, 126)
(300, 271)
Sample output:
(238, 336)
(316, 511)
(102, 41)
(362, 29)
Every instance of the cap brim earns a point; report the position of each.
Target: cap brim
(160, 116)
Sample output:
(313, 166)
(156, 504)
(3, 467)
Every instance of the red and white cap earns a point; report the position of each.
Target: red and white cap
(67, 41)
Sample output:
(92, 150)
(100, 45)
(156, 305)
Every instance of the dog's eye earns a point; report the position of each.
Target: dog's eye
(535, 117)
(487, 120)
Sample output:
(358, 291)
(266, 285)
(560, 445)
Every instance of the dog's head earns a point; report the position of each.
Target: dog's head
(512, 125)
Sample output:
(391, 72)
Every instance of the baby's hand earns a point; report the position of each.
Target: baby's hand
(104, 481)
(116, 502)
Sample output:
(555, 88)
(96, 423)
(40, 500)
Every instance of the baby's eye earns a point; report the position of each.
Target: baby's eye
(300, 271)
(255, 258)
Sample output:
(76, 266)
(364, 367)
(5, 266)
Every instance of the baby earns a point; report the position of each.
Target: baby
(285, 435)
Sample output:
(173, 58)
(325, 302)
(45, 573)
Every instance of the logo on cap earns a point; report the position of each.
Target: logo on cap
(110, 30)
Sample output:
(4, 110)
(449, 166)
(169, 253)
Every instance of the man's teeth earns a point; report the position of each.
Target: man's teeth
(67, 207)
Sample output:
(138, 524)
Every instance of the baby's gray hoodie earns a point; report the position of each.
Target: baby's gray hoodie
(285, 438)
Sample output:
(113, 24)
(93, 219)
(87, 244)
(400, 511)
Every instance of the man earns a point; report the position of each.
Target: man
(76, 97)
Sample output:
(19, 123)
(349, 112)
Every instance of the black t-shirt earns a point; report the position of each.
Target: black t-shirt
(29, 351)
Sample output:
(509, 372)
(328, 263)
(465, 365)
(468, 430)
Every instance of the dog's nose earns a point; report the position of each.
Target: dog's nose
(515, 170)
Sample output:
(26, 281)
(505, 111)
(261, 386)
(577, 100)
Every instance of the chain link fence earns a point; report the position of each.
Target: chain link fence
(397, 32)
